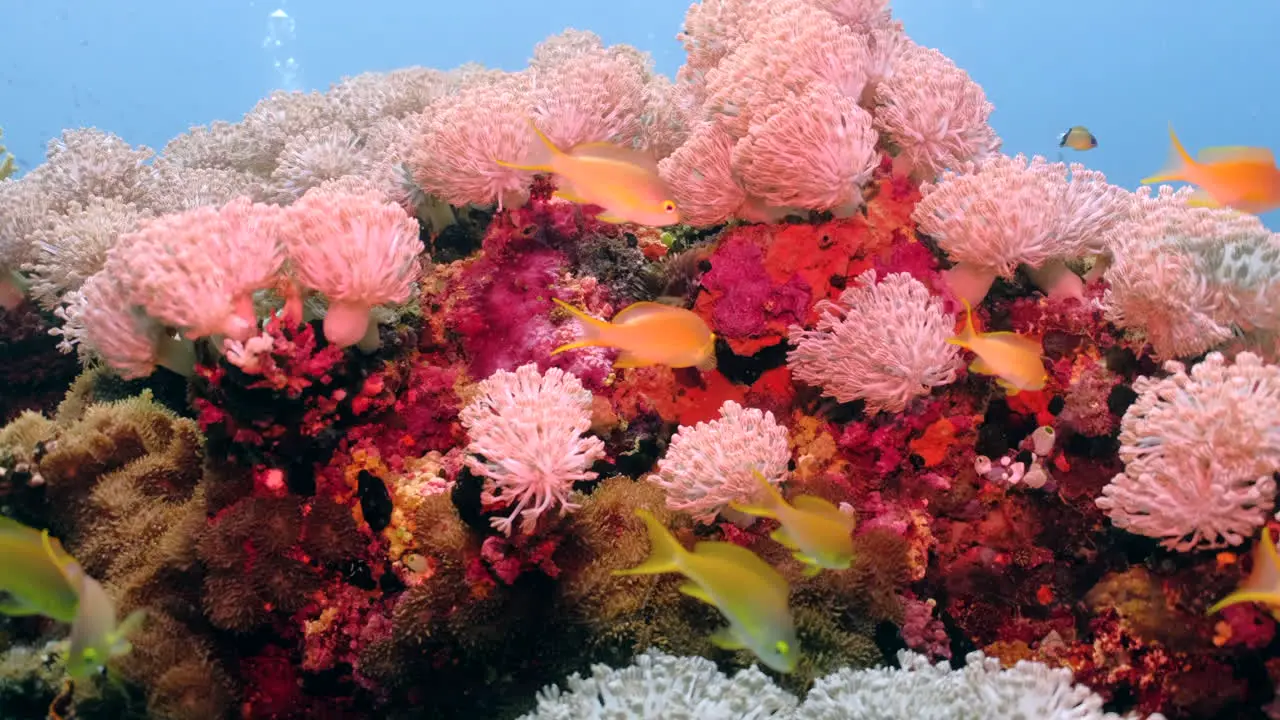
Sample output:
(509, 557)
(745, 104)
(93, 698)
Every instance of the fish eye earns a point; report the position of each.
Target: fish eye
(669, 206)
(782, 647)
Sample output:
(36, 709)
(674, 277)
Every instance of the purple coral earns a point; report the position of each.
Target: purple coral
(526, 431)
(885, 343)
(1200, 450)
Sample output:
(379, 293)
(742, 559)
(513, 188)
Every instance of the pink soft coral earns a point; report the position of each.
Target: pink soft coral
(790, 50)
(526, 440)
(1200, 452)
(934, 113)
(197, 270)
(814, 151)
(885, 343)
(709, 465)
(357, 249)
(456, 153)
(1010, 212)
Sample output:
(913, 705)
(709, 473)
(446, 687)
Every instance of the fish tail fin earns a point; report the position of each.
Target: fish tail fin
(594, 329)
(1175, 169)
(543, 165)
(768, 499)
(969, 332)
(665, 550)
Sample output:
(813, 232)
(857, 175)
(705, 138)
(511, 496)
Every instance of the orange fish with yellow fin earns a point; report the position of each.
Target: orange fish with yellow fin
(1238, 177)
(623, 181)
(648, 333)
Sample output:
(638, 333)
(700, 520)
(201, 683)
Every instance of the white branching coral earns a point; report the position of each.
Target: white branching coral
(885, 343)
(1200, 451)
(69, 248)
(664, 687)
(1186, 279)
(982, 690)
(711, 464)
(659, 686)
(526, 441)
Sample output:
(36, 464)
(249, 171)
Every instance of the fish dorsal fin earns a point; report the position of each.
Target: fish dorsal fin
(617, 153)
(1236, 153)
(783, 538)
(638, 310)
(742, 558)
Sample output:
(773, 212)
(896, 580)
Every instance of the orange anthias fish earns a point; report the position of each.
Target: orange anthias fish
(623, 181)
(648, 333)
(1014, 359)
(1243, 178)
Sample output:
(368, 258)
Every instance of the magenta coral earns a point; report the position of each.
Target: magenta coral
(885, 343)
(711, 464)
(526, 441)
(814, 151)
(1200, 452)
(357, 249)
(923, 632)
(197, 270)
(934, 113)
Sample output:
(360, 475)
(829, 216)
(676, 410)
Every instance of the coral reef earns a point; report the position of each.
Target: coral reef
(319, 435)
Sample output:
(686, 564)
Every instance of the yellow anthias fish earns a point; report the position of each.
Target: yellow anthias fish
(1014, 359)
(32, 581)
(818, 533)
(1078, 138)
(623, 181)
(1263, 584)
(750, 594)
(38, 577)
(648, 333)
(1239, 177)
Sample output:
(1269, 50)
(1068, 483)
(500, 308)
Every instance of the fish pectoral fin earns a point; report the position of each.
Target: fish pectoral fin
(783, 538)
(1009, 388)
(695, 591)
(726, 639)
(981, 367)
(568, 197)
(811, 566)
(628, 359)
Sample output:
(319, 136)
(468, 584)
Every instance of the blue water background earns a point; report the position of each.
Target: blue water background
(149, 69)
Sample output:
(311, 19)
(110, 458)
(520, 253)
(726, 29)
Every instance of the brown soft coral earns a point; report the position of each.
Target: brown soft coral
(122, 485)
(624, 615)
